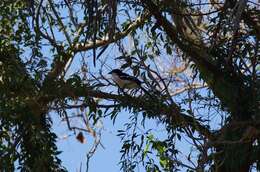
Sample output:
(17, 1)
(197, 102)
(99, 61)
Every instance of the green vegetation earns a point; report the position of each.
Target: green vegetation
(199, 61)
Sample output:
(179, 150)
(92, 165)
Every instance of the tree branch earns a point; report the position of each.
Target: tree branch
(221, 81)
(171, 112)
(117, 36)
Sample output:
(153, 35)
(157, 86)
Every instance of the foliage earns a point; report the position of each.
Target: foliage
(199, 60)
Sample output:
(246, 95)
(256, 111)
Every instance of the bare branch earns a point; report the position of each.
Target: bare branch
(187, 87)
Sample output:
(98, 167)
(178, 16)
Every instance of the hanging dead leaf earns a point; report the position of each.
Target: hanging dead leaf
(80, 137)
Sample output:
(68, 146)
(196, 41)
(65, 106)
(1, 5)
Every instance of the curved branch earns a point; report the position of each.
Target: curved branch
(117, 36)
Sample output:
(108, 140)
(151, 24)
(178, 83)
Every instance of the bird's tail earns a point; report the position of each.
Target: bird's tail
(145, 91)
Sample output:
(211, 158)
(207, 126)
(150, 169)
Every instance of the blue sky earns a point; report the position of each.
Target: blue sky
(105, 159)
(74, 153)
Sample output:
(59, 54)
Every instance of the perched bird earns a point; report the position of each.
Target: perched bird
(125, 81)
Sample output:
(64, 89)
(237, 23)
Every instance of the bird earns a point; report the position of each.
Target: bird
(125, 81)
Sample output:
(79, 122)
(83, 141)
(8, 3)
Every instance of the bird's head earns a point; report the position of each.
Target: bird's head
(115, 71)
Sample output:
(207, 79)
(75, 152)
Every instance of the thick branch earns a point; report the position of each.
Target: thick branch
(225, 83)
(253, 21)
